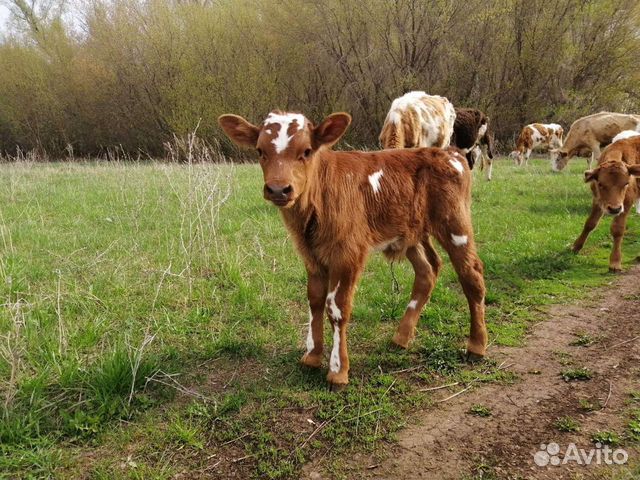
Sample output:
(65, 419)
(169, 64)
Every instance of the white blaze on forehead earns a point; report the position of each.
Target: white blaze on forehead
(459, 240)
(310, 342)
(334, 311)
(456, 164)
(374, 180)
(334, 362)
(412, 304)
(281, 142)
(625, 134)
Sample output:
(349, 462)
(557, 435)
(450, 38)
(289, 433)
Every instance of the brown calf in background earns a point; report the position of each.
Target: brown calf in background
(615, 189)
(471, 132)
(341, 206)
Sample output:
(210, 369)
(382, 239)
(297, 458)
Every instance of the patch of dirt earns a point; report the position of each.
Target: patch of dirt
(447, 442)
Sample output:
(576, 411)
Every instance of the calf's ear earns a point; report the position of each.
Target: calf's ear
(634, 170)
(591, 175)
(239, 130)
(331, 129)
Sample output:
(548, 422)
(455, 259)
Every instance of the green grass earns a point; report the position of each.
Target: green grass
(567, 424)
(577, 374)
(146, 329)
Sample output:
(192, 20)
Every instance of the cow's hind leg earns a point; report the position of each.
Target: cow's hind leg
(426, 273)
(457, 240)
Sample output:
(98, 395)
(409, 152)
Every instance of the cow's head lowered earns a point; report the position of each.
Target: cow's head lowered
(610, 182)
(287, 144)
(559, 159)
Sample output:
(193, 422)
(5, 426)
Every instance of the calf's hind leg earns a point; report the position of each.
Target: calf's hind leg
(458, 242)
(426, 273)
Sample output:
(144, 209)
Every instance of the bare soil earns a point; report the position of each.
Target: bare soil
(447, 442)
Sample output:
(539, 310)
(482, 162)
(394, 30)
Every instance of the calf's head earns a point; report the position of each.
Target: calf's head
(287, 144)
(610, 183)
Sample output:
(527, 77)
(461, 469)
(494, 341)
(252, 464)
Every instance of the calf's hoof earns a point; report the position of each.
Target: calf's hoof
(337, 381)
(312, 361)
(337, 387)
(472, 357)
(401, 340)
(615, 270)
(576, 248)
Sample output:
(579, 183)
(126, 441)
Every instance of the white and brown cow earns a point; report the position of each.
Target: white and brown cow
(590, 134)
(536, 135)
(418, 120)
(340, 206)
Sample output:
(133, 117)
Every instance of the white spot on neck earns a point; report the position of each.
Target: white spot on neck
(310, 342)
(459, 240)
(456, 164)
(334, 362)
(334, 311)
(281, 142)
(374, 180)
(412, 304)
(482, 130)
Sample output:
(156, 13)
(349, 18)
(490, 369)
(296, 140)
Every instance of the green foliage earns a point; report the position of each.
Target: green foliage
(567, 424)
(573, 374)
(142, 71)
(607, 437)
(480, 410)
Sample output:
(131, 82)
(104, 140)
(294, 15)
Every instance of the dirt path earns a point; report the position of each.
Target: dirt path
(450, 443)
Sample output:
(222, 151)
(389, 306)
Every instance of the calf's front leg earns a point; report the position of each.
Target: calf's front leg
(617, 231)
(339, 303)
(317, 294)
(589, 225)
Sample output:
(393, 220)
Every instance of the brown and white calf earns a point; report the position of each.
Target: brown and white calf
(614, 185)
(472, 134)
(536, 135)
(418, 120)
(341, 206)
(590, 134)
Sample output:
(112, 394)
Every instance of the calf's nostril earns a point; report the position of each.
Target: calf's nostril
(287, 190)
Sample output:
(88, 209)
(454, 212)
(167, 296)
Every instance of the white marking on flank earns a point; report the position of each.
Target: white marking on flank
(374, 180)
(456, 164)
(310, 343)
(459, 240)
(625, 134)
(281, 142)
(334, 311)
(334, 362)
(412, 304)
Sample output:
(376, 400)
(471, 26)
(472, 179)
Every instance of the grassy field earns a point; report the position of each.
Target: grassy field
(153, 317)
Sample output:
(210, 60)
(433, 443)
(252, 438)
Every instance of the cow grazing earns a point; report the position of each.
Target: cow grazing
(535, 135)
(341, 206)
(591, 133)
(418, 120)
(470, 131)
(615, 188)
